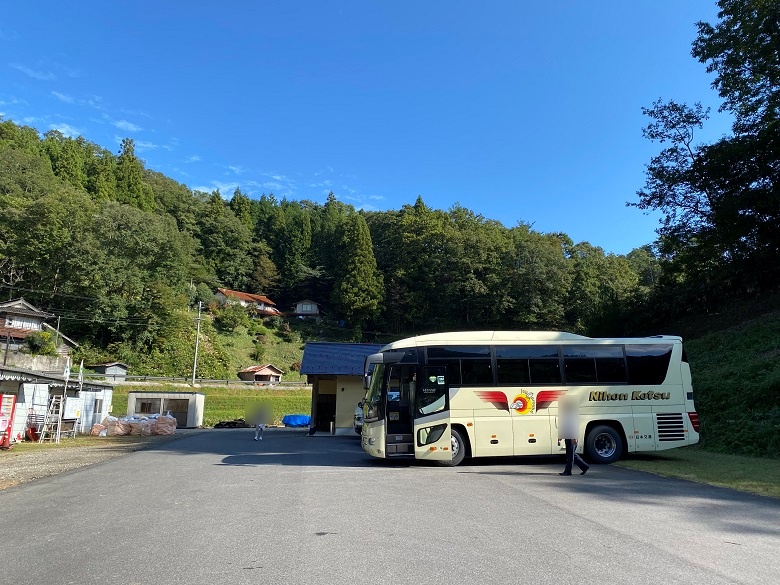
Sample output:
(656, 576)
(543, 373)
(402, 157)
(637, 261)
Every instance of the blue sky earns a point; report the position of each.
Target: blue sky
(521, 111)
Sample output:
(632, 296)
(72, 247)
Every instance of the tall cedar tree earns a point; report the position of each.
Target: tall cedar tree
(360, 290)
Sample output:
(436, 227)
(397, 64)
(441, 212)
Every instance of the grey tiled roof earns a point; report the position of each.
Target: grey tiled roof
(345, 359)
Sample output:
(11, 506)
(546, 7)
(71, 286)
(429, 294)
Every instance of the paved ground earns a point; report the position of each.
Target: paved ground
(218, 507)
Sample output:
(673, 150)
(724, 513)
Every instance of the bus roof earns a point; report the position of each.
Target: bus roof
(512, 337)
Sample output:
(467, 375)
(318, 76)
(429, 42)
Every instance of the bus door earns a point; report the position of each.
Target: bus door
(399, 412)
(432, 437)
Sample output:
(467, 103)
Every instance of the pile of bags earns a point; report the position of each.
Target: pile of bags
(154, 424)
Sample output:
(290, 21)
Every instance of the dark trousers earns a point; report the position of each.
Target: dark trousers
(572, 457)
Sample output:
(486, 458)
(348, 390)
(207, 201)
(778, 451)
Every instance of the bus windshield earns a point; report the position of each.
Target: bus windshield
(374, 394)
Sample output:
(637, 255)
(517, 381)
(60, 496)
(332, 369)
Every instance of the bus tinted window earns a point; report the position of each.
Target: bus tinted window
(580, 371)
(457, 351)
(545, 371)
(592, 351)
(526, 351)
(513, 371)
(611, 370)
(476, 373)
(453, 370)
(648, 364)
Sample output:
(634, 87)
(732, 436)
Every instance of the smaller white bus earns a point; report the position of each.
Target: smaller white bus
(447, 396)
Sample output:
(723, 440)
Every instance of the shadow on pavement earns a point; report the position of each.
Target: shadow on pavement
(726, 508)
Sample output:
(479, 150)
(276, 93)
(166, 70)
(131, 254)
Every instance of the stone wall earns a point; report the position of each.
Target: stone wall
(38, 363)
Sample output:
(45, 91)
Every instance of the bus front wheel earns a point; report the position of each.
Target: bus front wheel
(604, 444)
(458, 448)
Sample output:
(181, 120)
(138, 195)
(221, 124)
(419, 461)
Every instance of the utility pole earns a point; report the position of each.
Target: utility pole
(197, 342)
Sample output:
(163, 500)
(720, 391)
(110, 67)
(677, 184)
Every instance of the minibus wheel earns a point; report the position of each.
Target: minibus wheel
(604, 444)
(458, 448)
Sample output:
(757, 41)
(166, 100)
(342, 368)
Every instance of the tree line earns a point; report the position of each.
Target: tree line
(120, 250)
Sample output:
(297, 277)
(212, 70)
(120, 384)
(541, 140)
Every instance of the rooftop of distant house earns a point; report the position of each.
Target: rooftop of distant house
(245, 296)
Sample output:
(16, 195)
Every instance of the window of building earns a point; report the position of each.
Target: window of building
(148, 406)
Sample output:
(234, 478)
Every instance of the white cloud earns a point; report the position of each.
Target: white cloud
(126, 126)
(237, 169)
(40, 75)
(223, 187)
(192, 159)
(141, 113)
(63, 97)
(66, 129)
(7, 34)
(376, 197)
(33, 120)
(142, 145)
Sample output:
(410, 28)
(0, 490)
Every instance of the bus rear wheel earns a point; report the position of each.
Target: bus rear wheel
(604, 444)
(458, 449)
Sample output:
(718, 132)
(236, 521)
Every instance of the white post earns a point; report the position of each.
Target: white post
(197, 342)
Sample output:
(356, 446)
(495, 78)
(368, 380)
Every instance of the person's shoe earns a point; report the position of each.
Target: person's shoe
(584, 471)
(261, 438)
(255, 438)
(565, 473)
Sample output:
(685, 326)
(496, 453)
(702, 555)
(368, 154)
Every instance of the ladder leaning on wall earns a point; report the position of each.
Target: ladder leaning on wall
(52, 422)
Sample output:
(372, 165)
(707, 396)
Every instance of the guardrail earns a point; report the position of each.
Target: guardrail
(188, 381)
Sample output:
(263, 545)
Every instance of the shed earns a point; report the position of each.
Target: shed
(335, 371)
(33, 391)
(267, 373)
(114, 371)
(186, 407)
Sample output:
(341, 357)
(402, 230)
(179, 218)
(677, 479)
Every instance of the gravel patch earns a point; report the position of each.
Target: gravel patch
(26, 462)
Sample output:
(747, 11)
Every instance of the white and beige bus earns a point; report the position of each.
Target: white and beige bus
(447, 396)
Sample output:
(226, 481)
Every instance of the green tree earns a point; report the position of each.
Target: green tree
(67, 157)
(743, 51)
(226, 243)
(130, 186)
(242, 208)
(359, 291)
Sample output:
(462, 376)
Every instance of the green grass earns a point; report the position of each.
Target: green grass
(748, 474)
(736, 382)
(278, 351)
(228, 403)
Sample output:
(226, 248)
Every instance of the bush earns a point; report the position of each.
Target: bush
(258, 353)
(230, 317)
(41, 343)
(275, 322)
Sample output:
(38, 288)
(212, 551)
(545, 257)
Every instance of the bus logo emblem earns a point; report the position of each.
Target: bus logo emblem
(523, 403)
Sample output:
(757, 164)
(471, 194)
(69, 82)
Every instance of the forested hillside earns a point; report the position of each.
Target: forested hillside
(120, 250)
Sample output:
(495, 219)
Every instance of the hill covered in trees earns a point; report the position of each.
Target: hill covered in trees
(119, 250)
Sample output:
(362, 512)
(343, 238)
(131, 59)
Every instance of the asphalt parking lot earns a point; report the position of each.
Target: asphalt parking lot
(217, 507)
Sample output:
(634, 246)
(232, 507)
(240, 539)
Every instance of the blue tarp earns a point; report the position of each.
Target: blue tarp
(296, 420)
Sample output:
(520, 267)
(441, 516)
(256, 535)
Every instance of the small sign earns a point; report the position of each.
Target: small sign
(440, 380)
(72, 408)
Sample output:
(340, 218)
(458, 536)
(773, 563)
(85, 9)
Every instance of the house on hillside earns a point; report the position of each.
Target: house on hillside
(335, 371)
(307, 308)
(257, 304)
(267, 373)
(18, 319)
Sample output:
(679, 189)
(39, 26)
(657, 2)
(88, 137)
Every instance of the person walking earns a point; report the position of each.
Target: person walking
(568, 431)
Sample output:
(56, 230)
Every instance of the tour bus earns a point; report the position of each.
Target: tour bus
(447, 396)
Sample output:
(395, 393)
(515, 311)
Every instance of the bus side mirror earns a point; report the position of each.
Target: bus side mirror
(366, 381)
